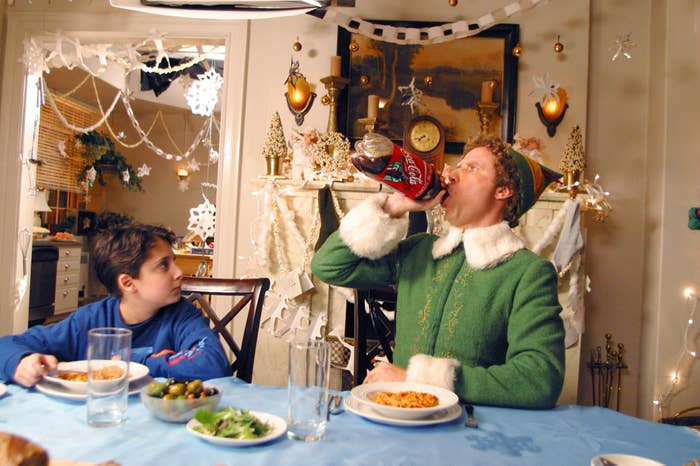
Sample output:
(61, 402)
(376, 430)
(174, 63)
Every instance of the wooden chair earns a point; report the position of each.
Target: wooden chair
(247, 292)
(373, 331)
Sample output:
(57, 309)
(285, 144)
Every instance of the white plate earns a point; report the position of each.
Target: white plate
(363, 394)
(53, 389)
(136, 372)
(279, 427)
(624, 460)
(355, 407)
(3, 388)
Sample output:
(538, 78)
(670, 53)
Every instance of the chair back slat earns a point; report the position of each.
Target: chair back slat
(248, 293)
(373, 331)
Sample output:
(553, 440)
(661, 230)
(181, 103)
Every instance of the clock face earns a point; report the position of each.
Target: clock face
(424, 136)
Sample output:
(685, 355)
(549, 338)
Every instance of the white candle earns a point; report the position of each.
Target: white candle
(336, 62)
(372, 106)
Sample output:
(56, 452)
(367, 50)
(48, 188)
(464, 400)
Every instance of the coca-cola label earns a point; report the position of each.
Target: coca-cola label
(406, 173)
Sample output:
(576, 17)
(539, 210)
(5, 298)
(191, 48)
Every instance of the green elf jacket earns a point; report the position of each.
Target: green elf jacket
(481, 319)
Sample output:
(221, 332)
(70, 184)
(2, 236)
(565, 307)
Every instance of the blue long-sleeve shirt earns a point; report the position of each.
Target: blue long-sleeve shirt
(176, 342)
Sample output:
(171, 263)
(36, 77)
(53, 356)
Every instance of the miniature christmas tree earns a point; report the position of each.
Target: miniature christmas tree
(573, 158)
(275, 149)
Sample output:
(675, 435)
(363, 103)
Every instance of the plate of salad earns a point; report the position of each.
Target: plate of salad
(236, 428)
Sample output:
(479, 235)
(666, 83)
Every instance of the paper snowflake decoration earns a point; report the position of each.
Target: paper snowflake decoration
(544, 89)
(126, 176)
(183, 185)
(203, 94)
(33, 58)
(62, 148)
(193, 165)
(213, 156)
(411, 95)
(121, 135)
(203, 219)
(623, 45)
(143, 170)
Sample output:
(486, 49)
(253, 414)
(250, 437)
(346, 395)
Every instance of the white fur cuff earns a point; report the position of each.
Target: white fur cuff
(369, 231)
(423, 368)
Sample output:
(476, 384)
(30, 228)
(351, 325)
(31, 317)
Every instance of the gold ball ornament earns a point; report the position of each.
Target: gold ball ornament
(428, 80)
(558, 46)
(517, 50)
(296, 46)
(453, 2)
(325, 100)
(364, 80)
(354, 46)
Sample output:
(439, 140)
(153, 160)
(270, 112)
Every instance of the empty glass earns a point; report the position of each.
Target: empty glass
(308, 381)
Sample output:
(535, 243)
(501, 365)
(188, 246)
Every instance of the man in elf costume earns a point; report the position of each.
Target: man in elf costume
(477, 312)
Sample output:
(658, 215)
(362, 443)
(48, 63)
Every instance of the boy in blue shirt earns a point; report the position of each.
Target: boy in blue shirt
(170, 336)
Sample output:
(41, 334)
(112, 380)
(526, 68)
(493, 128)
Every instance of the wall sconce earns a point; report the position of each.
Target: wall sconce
(551, 111)
(182, 174)
(40, 205)
(298, 96)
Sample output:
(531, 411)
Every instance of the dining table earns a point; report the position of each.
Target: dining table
(569, 435)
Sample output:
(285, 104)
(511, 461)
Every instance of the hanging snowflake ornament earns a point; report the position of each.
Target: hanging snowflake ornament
(126, 176)
(203, 94)
(121, 135)
(143, 170)
(203, 219)
(411, 95)
(62, 148)
(33, 58)
(183, 185)
(90, 176)
(623, 46)
(213, 156)
(193, 165)
(544, 88)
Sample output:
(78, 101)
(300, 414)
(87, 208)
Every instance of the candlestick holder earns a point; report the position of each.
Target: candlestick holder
(334, 84)
(486, 111)
(368, 123)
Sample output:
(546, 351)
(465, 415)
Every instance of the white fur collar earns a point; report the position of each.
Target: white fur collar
(484, 247)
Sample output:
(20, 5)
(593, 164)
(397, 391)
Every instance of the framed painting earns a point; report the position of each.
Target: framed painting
(450, 79)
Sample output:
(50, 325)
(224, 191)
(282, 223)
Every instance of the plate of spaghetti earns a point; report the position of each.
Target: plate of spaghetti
(404, 400)
(73, 375)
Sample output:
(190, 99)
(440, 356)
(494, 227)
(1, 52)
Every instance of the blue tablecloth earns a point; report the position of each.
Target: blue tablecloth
(568, 435)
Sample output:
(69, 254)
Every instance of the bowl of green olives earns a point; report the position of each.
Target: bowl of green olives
(177, 400)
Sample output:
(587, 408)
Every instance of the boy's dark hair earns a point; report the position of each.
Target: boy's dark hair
(506, 172)
(124, 250)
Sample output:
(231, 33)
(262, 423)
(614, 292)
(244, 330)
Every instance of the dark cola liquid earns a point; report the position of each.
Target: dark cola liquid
(403, 171)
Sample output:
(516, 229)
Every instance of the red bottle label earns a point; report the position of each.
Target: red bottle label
(407, 173)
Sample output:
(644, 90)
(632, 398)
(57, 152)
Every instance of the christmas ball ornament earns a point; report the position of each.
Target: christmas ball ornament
(558, 46)
(517, 50)
(428, 80)
(453, 2)
(325, 100)
(364, 80)
(296, 46)
(354, 46)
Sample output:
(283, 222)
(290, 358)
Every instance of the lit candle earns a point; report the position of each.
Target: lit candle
(336, 61)
(372, 106)
(487, 90)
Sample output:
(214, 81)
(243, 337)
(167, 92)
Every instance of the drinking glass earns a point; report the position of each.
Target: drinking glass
(108, 354)
(308, 383)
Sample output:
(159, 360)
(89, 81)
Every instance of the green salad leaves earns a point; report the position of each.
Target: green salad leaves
(230, 423)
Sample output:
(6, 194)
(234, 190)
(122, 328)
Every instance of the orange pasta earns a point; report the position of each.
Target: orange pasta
(407, 399)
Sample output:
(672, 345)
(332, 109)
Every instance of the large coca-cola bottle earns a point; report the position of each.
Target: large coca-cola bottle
(379, 158)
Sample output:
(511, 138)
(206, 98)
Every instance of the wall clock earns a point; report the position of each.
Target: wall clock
(425, 136)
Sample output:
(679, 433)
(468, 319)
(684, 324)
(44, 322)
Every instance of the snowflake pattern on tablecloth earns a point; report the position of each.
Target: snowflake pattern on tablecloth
(203, 94)
(203, 219)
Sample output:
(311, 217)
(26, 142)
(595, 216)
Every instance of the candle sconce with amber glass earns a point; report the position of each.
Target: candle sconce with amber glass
(552, 111)
(299, 96)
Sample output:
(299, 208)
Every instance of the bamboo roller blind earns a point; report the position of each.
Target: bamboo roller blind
(56, 171)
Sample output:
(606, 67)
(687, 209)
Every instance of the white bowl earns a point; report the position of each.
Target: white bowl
(623, 460)
(136, 372)
(179, 410)
(364, 394)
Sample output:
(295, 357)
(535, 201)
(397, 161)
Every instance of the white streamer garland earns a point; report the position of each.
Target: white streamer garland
(428, 35)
